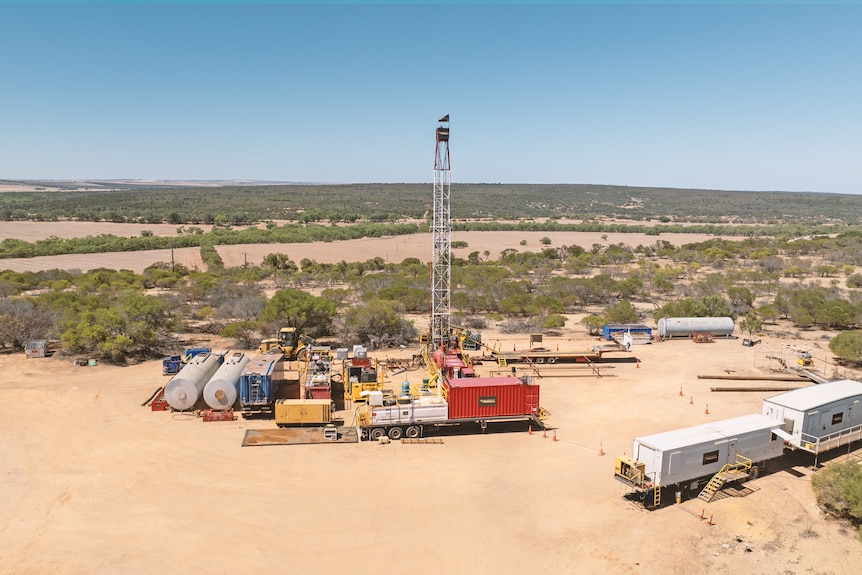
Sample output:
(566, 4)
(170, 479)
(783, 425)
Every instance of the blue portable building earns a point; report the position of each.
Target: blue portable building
(609, 330)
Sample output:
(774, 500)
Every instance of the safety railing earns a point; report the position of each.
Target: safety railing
(817, 445)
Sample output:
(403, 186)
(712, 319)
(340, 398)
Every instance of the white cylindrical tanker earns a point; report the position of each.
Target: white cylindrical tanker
(184, 389)
(222, 389)
(669, 327)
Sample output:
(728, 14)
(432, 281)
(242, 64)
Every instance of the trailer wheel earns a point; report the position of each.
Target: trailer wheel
(376, 433)
(395, 433)
(753, 473)
(552, 360)
(412, 432)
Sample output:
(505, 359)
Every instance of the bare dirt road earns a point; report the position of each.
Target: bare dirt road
(90, 481)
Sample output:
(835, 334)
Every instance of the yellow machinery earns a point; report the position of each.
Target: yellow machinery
(289, 342)
(629, 470)
(362, 375)
(469, 341)
(804, 359)
(302, 412)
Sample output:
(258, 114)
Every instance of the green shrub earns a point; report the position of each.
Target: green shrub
(847, 345)
(838, 488)
(554, 321)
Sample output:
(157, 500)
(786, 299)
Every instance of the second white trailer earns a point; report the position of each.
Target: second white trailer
(688, 458)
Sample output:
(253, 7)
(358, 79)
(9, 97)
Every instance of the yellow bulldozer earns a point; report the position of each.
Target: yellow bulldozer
(289, 342)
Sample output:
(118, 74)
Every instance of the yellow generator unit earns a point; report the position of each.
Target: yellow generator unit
(804, 359)
(303, 412)
(629, 470)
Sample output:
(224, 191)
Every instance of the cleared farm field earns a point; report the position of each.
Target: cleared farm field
(392, 249)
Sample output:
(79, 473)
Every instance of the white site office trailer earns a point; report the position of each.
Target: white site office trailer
(685, 456)
(820, 417)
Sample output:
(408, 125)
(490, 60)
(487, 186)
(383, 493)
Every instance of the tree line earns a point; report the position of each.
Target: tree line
(247, 204)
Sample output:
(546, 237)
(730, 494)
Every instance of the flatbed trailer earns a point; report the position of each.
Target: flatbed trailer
(467, 400)
(413, 430)
(545, 356)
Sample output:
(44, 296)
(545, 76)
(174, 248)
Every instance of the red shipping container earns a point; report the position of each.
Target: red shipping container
(318, 392)
(478, 397)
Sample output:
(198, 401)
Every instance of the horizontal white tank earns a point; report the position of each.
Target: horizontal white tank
(222, 389)
(685, 326)
(184, 389)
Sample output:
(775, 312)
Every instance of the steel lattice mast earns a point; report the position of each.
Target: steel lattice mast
(441, 230)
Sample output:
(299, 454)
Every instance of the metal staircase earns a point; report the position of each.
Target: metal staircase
(729, 472)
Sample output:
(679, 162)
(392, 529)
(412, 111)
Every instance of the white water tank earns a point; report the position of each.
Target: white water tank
(669, 327)
(184, 389)
(222, 389)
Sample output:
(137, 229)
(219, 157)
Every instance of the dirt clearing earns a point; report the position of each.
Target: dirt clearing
(90, 481)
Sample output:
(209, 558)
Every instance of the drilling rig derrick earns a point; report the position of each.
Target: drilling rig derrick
(441, 231)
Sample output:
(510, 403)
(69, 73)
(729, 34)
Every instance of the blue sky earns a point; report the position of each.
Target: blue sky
(738, 96)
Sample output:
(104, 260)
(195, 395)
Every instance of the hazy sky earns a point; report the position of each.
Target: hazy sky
(740, 96)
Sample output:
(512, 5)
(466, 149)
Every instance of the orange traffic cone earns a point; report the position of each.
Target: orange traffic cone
(680, 391)
(530, 431)
(601, 449)
(638, 364)
(555, 435)
(707, 410)
(710, 521)
(544, 432)
(691, 401)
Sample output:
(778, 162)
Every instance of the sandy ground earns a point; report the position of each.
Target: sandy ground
(90, 481)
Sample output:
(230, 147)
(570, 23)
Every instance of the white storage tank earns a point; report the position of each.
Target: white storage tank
(184, 389)
(222, 389)
(669, 327)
